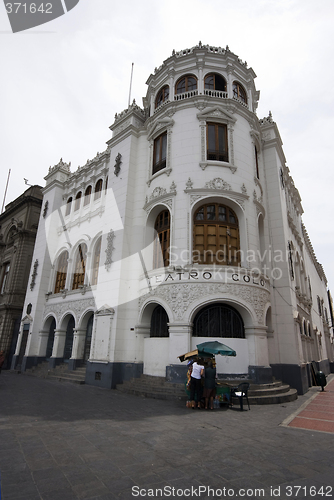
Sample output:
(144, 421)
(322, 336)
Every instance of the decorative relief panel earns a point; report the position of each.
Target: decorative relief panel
(180, 296)
(76, 306)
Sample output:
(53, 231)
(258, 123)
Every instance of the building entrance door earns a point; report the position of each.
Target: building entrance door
(88, 339)
(51, 338)
(69, 339)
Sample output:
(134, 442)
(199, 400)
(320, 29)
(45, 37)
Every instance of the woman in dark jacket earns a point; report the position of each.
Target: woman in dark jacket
(209, 385)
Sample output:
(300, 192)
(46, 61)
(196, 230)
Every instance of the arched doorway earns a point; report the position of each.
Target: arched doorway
(88, 339)
(69, 339)
(219, 320)
(51, 337)
(159, 323)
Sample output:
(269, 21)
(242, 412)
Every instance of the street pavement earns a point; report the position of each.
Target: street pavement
(61, 441)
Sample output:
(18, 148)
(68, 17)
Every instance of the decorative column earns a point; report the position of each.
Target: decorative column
(259, 369)
(79, 337)
(42, 343)
(179, 343)
(58, 348)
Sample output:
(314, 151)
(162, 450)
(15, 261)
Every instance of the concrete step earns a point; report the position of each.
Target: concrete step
(70, 378)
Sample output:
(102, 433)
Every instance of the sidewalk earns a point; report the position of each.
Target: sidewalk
(318, 412)
(62, 441)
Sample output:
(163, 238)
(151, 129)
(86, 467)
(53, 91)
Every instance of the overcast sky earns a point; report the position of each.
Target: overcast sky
(62, 83)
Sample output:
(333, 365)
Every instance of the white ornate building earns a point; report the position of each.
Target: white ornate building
(187, 227)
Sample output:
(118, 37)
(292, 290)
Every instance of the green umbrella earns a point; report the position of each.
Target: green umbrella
(215, 348)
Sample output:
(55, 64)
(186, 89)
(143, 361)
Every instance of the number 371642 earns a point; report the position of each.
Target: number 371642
(33, 8)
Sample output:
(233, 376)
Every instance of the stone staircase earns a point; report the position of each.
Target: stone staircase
(60, 373)
(158, 388)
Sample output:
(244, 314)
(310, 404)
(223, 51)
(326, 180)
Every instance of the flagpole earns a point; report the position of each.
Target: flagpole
(4, 198)
(130, 85)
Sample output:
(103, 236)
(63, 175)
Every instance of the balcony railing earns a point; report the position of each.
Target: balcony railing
(185, 95)
(217, 155)
(216, 93)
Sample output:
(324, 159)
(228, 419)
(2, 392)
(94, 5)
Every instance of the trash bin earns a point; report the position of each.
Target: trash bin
(320, 379)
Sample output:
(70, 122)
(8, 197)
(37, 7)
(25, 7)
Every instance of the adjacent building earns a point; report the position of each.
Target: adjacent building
(187, 227)
(18, 228)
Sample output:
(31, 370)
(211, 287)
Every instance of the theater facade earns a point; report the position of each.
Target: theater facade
(187, 227)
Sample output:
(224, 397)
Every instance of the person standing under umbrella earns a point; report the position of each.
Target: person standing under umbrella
(196, 384)
(209, 385)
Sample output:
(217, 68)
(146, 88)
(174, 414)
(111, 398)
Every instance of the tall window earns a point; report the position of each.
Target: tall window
(98, 189)
(159, 323)
(213, 81)
(162, 96)
(88, 193)
(61, 271)
(4, 278)
(77, 201)
(257, 162)
(186, 84)
(162, 240)
(96, 261)
(68, 206)
(239, 92)
(218, 320)
(159, 152)
(216, 235)
(80, 267)
(217, 146)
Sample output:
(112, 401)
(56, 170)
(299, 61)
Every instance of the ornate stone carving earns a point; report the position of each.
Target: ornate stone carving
(117, 167)
(109, 249)
(33, 276)
(189, 184)
(45, 210)
(76, 306)
(173, 188)
(194, 198)
(157, 192)
(243, 189)
(218, 183)
(180, 296)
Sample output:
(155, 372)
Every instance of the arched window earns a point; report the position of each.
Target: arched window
(162, 240)
(68, 206)
(80, 267)
(162, 96)
(216, 235)
(239, 92)
(305, 328)
(96, 261)
(218, 320)
(98, 189)
(186, 84)
(4, 277)
(77, 201)
(62, 263)
(88, 193)
(213, 81)
(159, 323)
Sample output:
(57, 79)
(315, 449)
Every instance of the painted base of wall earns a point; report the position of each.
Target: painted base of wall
(297, 376)
(258, 374)
(108, 375)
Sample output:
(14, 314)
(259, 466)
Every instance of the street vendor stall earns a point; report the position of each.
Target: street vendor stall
(205, 352)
